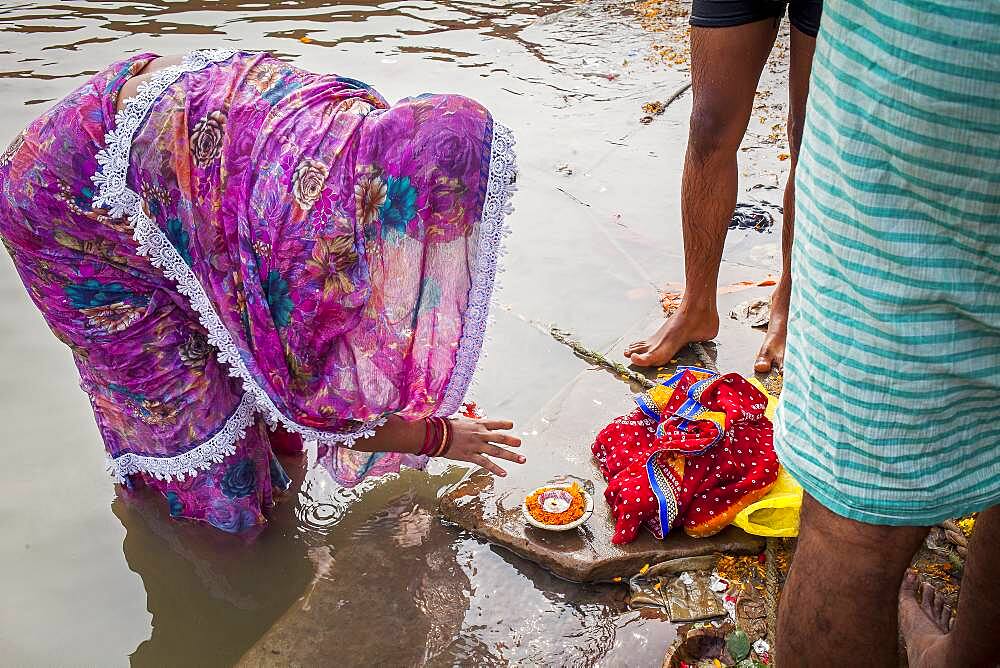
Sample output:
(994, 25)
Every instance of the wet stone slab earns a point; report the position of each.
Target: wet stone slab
(557, 443)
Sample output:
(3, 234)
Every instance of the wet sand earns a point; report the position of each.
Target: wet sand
(95, 580)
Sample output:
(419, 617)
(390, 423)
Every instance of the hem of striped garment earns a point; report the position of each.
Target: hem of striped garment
(484, 287)
(825, 492)
(114, 194)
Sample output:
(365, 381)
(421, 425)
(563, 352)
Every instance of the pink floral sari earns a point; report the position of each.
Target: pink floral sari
(246, 243)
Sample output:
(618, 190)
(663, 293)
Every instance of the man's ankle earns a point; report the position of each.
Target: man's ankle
(698, 310)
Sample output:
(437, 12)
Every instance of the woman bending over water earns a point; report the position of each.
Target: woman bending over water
(240, 243)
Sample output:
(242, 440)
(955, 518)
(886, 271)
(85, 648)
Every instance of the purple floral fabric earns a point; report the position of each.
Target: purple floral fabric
(260, 244)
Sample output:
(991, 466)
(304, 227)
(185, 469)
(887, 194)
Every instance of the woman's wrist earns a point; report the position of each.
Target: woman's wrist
(396, 435)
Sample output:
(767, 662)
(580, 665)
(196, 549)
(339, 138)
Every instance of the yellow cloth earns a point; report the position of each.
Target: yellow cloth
(777, 513)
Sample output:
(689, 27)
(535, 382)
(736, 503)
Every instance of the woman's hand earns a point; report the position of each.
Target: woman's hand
(475, 440)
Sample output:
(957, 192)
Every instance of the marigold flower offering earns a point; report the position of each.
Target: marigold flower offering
(557, 505)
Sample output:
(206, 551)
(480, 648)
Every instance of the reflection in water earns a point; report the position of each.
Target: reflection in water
(206, 590)
(320, 511)
(365, 576)
(387, 589)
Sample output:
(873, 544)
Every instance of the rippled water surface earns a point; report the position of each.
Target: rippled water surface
(89, 579)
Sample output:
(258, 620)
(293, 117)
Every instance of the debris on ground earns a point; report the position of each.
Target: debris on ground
(564, 169)
(671, 19)
(751, 614)
(777, 134)
(774, 383)
(727, 602)
(752, 216)
(739, 286)
(654, 108)
(940, 562)
(671, 302)
(755, 312)
(745, 573)
(944, 576)
(684, 597)
(713, 645)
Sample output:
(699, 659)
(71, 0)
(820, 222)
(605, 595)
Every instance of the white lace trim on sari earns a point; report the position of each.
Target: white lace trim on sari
(496, 207)
(200, 458)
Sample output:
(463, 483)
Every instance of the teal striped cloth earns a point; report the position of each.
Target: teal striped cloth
(890, 412)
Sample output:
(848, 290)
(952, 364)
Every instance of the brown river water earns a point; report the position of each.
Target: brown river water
(91, 579)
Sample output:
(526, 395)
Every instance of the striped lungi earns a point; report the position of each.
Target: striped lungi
(891, 406)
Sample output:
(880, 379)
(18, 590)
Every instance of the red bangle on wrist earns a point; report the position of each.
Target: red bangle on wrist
(446, 423)
(430, 441)
(438, 437)
(439, 447)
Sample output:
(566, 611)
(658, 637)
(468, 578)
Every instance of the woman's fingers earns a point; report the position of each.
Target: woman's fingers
(493, 425)
(480, 439)
(503, 439)
(488, 465)
(500, 453)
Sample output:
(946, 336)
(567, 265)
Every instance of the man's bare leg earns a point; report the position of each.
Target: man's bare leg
(839, 605)
(971, 640)
(726, 65)
(772, 352)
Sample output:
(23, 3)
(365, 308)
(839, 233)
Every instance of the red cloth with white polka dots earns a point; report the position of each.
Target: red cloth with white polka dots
(699, 472)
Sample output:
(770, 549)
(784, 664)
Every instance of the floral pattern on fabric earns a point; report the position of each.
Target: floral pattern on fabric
(696, 451)
(298, 239)
(310, 213)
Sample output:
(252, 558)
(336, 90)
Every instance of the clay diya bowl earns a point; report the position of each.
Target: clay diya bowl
(557, 499)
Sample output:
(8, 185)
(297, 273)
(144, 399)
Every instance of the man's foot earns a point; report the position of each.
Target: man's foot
(925, 623)
(772, 352)
(680, 329)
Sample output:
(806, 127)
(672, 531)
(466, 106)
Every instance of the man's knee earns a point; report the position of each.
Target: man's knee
(715, 129)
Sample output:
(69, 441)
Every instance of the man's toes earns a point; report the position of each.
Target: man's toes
(946, 620)
(939, 603)
(637, 347)
(765, 359)
(763, 364)
(909, 587)
(927, 600)
(942, 611)
(642, 359)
